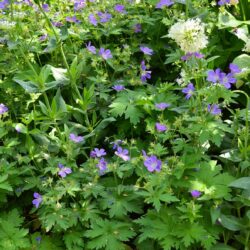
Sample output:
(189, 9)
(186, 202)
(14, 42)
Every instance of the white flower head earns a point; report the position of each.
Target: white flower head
(189, 35)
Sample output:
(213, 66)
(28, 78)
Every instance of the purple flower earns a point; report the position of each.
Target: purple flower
(4, 4)
(57, 24)
(162, 105)
(38, 239)
(152, 163)
(79, 4)
(92, 19)
(213, 109)
(3, 109)
(145, 74)
(64, 170)
(116, 143)
(214, 76)
(45, 7)
(75, 138)
(122, 153)
(234, 68)
(72, 19)
(91, 48)
(160, 127)
(137, 28)
(146, 50)
(190, 54)
(43, 37)
(97, 153)
(195, 193)
(105, 54)
(38, 199)
(223, 2)
(120, 8)
(227, 79)
(102, 165)
(163, 3)
(118, 88)
(104, 16)
(189, 90)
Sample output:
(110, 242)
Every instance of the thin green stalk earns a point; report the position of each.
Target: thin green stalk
(187, 8)
(247, 122)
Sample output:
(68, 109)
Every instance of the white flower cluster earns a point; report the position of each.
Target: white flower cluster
(189, 35)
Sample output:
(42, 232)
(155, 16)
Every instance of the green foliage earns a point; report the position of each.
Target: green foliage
(109, 235)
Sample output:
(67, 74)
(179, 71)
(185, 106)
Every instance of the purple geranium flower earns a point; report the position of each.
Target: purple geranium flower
(227, 79)
(45, 7)
(96, 153)
(72, 19)
(122, 153)
(120, 8)
(105, 54)
(3, 109)
(195, 193)
(43, 37)
(118, 87)
(214, 76)
(102, 165)
(213, 109)
(151, 162)
(79, 4)
(145, 73)
(137, 28)
(162, 105)
(163, 3)
(234, 68)
(64, 170)
(104, 16)
(75, 138)
(92, 19)
(38, 199)
(223, 2)
(4, 4)
(146, 50)
(189, 90)
(160, 127)
(91, 48)
(57, 24)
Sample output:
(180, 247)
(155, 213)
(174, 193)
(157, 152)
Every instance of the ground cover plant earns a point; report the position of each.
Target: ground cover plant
(124, 124)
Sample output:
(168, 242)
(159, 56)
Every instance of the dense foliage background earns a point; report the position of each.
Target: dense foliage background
(124, 124)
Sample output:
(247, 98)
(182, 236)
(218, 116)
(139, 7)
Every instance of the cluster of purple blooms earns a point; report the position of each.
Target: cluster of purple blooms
(104, 53)
(4, 4)
(217, 76)
(102, 164)
(104, 17)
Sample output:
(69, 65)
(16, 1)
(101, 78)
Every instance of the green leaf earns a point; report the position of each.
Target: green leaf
(227, 20)
(243, 183)
(109, 234)
(230, 222)
(29, 86)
